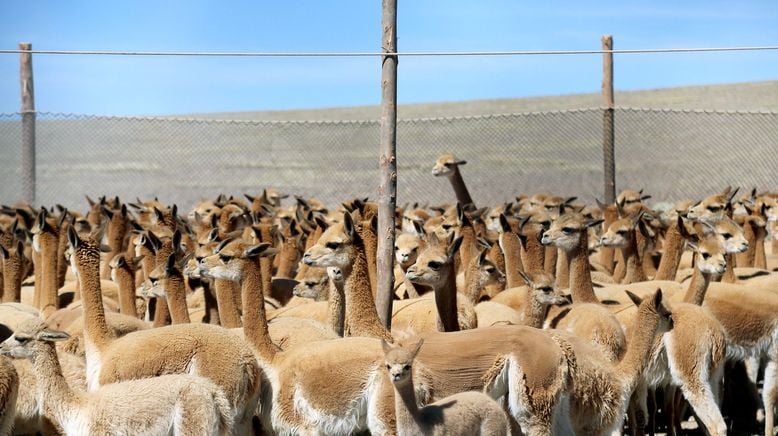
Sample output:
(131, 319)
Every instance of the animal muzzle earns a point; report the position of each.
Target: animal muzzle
(545, 240)
(308, 260)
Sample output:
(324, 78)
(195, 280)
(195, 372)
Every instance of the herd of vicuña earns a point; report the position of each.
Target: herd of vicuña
(257, 315)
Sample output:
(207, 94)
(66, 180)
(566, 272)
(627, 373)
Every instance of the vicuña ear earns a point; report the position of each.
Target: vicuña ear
(223, 244)
(417, 348)
(635, 299)
(482, 257)
(52, 335)
(658, 300)
(385, 346)
(593, 222)
(453, 248)
(526, 278)
(504, 225)
(261, 250)
(170, 265)
(73, 238)
(348, 225)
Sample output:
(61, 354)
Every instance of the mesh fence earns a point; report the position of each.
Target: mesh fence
(672, 154)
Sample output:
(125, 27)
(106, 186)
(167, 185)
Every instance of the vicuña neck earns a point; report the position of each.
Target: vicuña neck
(562, 272)
(550, 259)
(226, 293)
(49, 299)
(12, 278)
(460, 190)
(634, 260)
(534, 312)
(729, 273)
(446, 302)
(176, 298)
(254, 318)
(639, 348)
(698, 286)
(337, 308)
(265, 262)
(580, 274)
(511, 249)
(760, 257)
(95, 326)
(287, 258)
(361, 314)
(671, 258)
(370, 243)
(473, 285)
(53, 390)
(406, 409)
(534, 253)
(125, 279)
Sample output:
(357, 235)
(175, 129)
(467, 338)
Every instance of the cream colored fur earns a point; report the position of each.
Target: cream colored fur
(9, 390)
(471, 413)
(179, 404)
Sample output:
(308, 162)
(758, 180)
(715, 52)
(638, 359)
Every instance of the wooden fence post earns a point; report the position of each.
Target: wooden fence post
(608, 134)
(387, 189)
(28, 124)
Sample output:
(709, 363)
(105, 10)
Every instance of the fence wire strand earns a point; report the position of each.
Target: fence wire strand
(672, 154)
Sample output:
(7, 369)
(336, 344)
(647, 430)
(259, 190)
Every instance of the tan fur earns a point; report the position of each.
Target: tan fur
(46, 240)
(30, 416)
(13, 266)
(342, 246)
(120, 324)
(434, 267)
(314, 374)
(313, 284)
(589, 321)
(601, 388)
(12, 314)
(541, 293)
(181, 404)
(472, 413)
(9, 390)
(515, 298)
(201, 349)
(419, 315)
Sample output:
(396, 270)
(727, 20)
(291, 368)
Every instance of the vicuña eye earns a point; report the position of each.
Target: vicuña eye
(332, 245)
(434, 265)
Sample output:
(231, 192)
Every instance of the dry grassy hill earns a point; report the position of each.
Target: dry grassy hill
(737, 96)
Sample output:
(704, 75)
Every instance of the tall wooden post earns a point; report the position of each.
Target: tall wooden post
(608, 134)
(387, 189)
(28, 124)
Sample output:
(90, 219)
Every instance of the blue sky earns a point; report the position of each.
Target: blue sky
(124, 85)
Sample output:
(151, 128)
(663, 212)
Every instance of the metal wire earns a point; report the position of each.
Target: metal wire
(401, 54)
(672, 153)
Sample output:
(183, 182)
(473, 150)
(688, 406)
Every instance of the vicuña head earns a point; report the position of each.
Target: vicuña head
(335, 247)
(399, 361)
(435, 264)
(566, 231)
(446, 164)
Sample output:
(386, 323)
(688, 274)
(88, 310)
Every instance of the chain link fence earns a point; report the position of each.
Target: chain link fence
(672, 154)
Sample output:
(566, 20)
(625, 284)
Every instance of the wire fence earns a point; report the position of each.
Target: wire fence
(672, 154)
